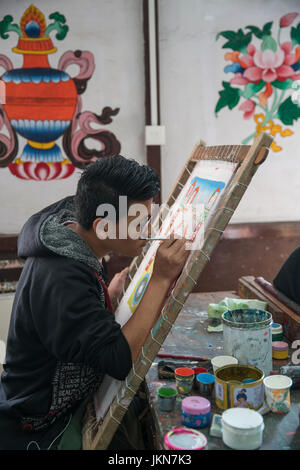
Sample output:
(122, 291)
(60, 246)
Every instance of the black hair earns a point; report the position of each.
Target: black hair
(103, 181)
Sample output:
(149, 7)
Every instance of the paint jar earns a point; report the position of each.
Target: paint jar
(184, 377)
(280, 350)
(242, 429)
(277, 390)
(185, 439)
(205, 383)
(239, 386)
(247, 336)
(197, 370)
(195, 412)
(277, 332)
(166, 398)
(220, 361)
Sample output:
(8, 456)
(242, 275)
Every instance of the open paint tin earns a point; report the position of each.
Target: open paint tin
(239, 386)
(247, 336)
(185, 439)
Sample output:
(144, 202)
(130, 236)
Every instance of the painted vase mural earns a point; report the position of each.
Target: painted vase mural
(43, 104)
(266, 77)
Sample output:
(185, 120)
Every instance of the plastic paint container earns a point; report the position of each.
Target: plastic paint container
(205, 383)
(197, 370)
(185, 439)
(195, 412)
(242, 429)
(166, 398)
(184, 380)
(247, 336)
(239, 386)
(280, 350)
(277, 332)
(277, 390)
(220, 361)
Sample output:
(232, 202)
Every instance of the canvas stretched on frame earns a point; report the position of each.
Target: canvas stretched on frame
(203, 188)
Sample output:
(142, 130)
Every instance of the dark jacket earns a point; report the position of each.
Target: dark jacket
(287, 281)
(62, 338)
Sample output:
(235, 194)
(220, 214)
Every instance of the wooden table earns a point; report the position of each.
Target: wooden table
(189, 336)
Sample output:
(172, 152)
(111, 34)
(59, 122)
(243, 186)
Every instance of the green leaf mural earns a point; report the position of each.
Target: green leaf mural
(228, 97)
(288, 112)
(238, 41)
(295, 35)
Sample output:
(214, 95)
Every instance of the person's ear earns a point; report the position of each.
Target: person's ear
(104, 228)
(100, 227)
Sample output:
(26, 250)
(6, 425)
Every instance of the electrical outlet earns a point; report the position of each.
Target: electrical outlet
(155, 135)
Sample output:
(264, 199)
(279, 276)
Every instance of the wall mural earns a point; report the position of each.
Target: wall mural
(266, 70)
(43, 104)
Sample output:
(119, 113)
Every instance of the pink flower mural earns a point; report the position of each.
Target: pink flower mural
(266, 75)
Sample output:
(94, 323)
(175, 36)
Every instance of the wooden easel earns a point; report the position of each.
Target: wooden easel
(97, 436)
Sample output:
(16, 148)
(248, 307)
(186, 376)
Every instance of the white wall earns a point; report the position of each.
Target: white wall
(191, 71)
(113, 31)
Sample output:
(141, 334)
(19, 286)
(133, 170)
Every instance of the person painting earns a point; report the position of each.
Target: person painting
(63, 337)
(287, 280)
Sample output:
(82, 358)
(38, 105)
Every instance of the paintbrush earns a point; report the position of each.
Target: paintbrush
(181, 356)
(152, 239)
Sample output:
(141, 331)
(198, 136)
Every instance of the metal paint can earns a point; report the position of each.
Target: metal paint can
(239, 386)
(198, 370)
(248, 337)
(205, 382)
(185, 439)
(166, 398)
(184, 380)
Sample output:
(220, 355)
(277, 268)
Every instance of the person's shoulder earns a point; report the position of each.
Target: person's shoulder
(60, 267)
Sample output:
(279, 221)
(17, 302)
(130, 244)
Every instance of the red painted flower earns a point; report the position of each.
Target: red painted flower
(287, 20)
(248, 107)
(269, 65)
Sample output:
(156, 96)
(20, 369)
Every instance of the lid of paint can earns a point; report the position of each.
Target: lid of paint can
(167, 392)
(195, 405)
(205, 378)
(199, 370)
(185, 439)
(279, 346)
(276, 328)
(184, 371)
(242, 418)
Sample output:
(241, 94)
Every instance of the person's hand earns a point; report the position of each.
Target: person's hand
(116, 285)
(170, 259)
